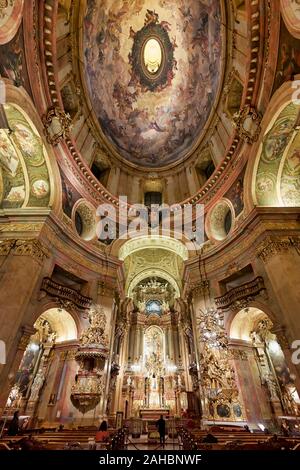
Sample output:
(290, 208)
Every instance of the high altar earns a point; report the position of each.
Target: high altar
(156, 376)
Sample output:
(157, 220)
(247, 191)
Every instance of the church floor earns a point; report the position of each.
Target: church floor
(142, 444)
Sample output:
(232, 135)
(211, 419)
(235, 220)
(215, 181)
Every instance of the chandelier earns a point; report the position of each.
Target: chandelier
(211, 329)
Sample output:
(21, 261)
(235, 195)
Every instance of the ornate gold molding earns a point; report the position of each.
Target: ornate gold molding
(274, 245)
(238, 354)
(247, 123)
(22, 227)
(27, 332)
(65, 295)
(199, 289)
(57, 125)
(6, 246)
(281, 336)
(32, 248)
(240, 297)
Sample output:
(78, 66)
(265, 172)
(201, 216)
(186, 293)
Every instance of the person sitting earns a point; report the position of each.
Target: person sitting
(285, 429)
(102, 433)
(273, 439)
(210, 439)
(13, 427)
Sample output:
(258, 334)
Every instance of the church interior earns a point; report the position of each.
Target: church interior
(111, 107)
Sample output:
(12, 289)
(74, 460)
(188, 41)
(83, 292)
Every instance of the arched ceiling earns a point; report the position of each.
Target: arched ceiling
(152, 117)
(62, 323)
(244, 323)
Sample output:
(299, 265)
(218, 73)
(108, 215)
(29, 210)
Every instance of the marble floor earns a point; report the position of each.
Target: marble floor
(142, 444)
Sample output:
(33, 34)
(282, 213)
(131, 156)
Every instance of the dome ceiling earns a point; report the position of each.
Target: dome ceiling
(153, 71)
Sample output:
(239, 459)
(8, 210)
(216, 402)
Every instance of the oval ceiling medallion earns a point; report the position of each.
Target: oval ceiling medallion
(153, 70)
(152, 56)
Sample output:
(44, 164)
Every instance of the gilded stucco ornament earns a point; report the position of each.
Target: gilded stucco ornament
(57, 125)
(218, 380)
(247, 122)
(33, 248)
(91, 356)
(152, 57)
(275, 245)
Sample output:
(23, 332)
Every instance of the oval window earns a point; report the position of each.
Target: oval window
(152, 56)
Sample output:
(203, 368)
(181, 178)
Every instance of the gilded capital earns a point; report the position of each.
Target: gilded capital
(274, 245)
(32, 248)
(6, 246)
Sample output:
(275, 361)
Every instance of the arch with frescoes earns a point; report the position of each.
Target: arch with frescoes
(273, 174)
(27, 172)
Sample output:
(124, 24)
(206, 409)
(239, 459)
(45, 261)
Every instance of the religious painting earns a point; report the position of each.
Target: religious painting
(23, 168)
(26, 370)
(154, 365)
(288, 64)
(13, 63)
(9, 158)
(290, 178)
(69, 197)
(153, 69)
(29, 143)
(154, 307)
(223, 411)
(236, 195)
(11, 173)
(269, 174)
(40, 188)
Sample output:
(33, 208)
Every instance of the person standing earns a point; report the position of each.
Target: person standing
(13, 428)
(161, 425)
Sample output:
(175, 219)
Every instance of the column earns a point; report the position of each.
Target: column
(21, 273)
(192, 180)
(137, 343)
(281, 259)
(113, 180)
(141, 341)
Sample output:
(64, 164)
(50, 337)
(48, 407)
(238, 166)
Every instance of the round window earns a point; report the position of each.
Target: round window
(220, 220)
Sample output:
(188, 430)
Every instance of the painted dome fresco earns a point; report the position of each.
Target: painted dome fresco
(153, 70)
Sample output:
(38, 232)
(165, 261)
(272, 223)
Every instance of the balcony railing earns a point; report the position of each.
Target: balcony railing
(249, 289)
(54, 289)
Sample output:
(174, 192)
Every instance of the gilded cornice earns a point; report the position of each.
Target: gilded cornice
(26, 333)
(31, 247)
(275, 244)
(244, 244)
(51, 237)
